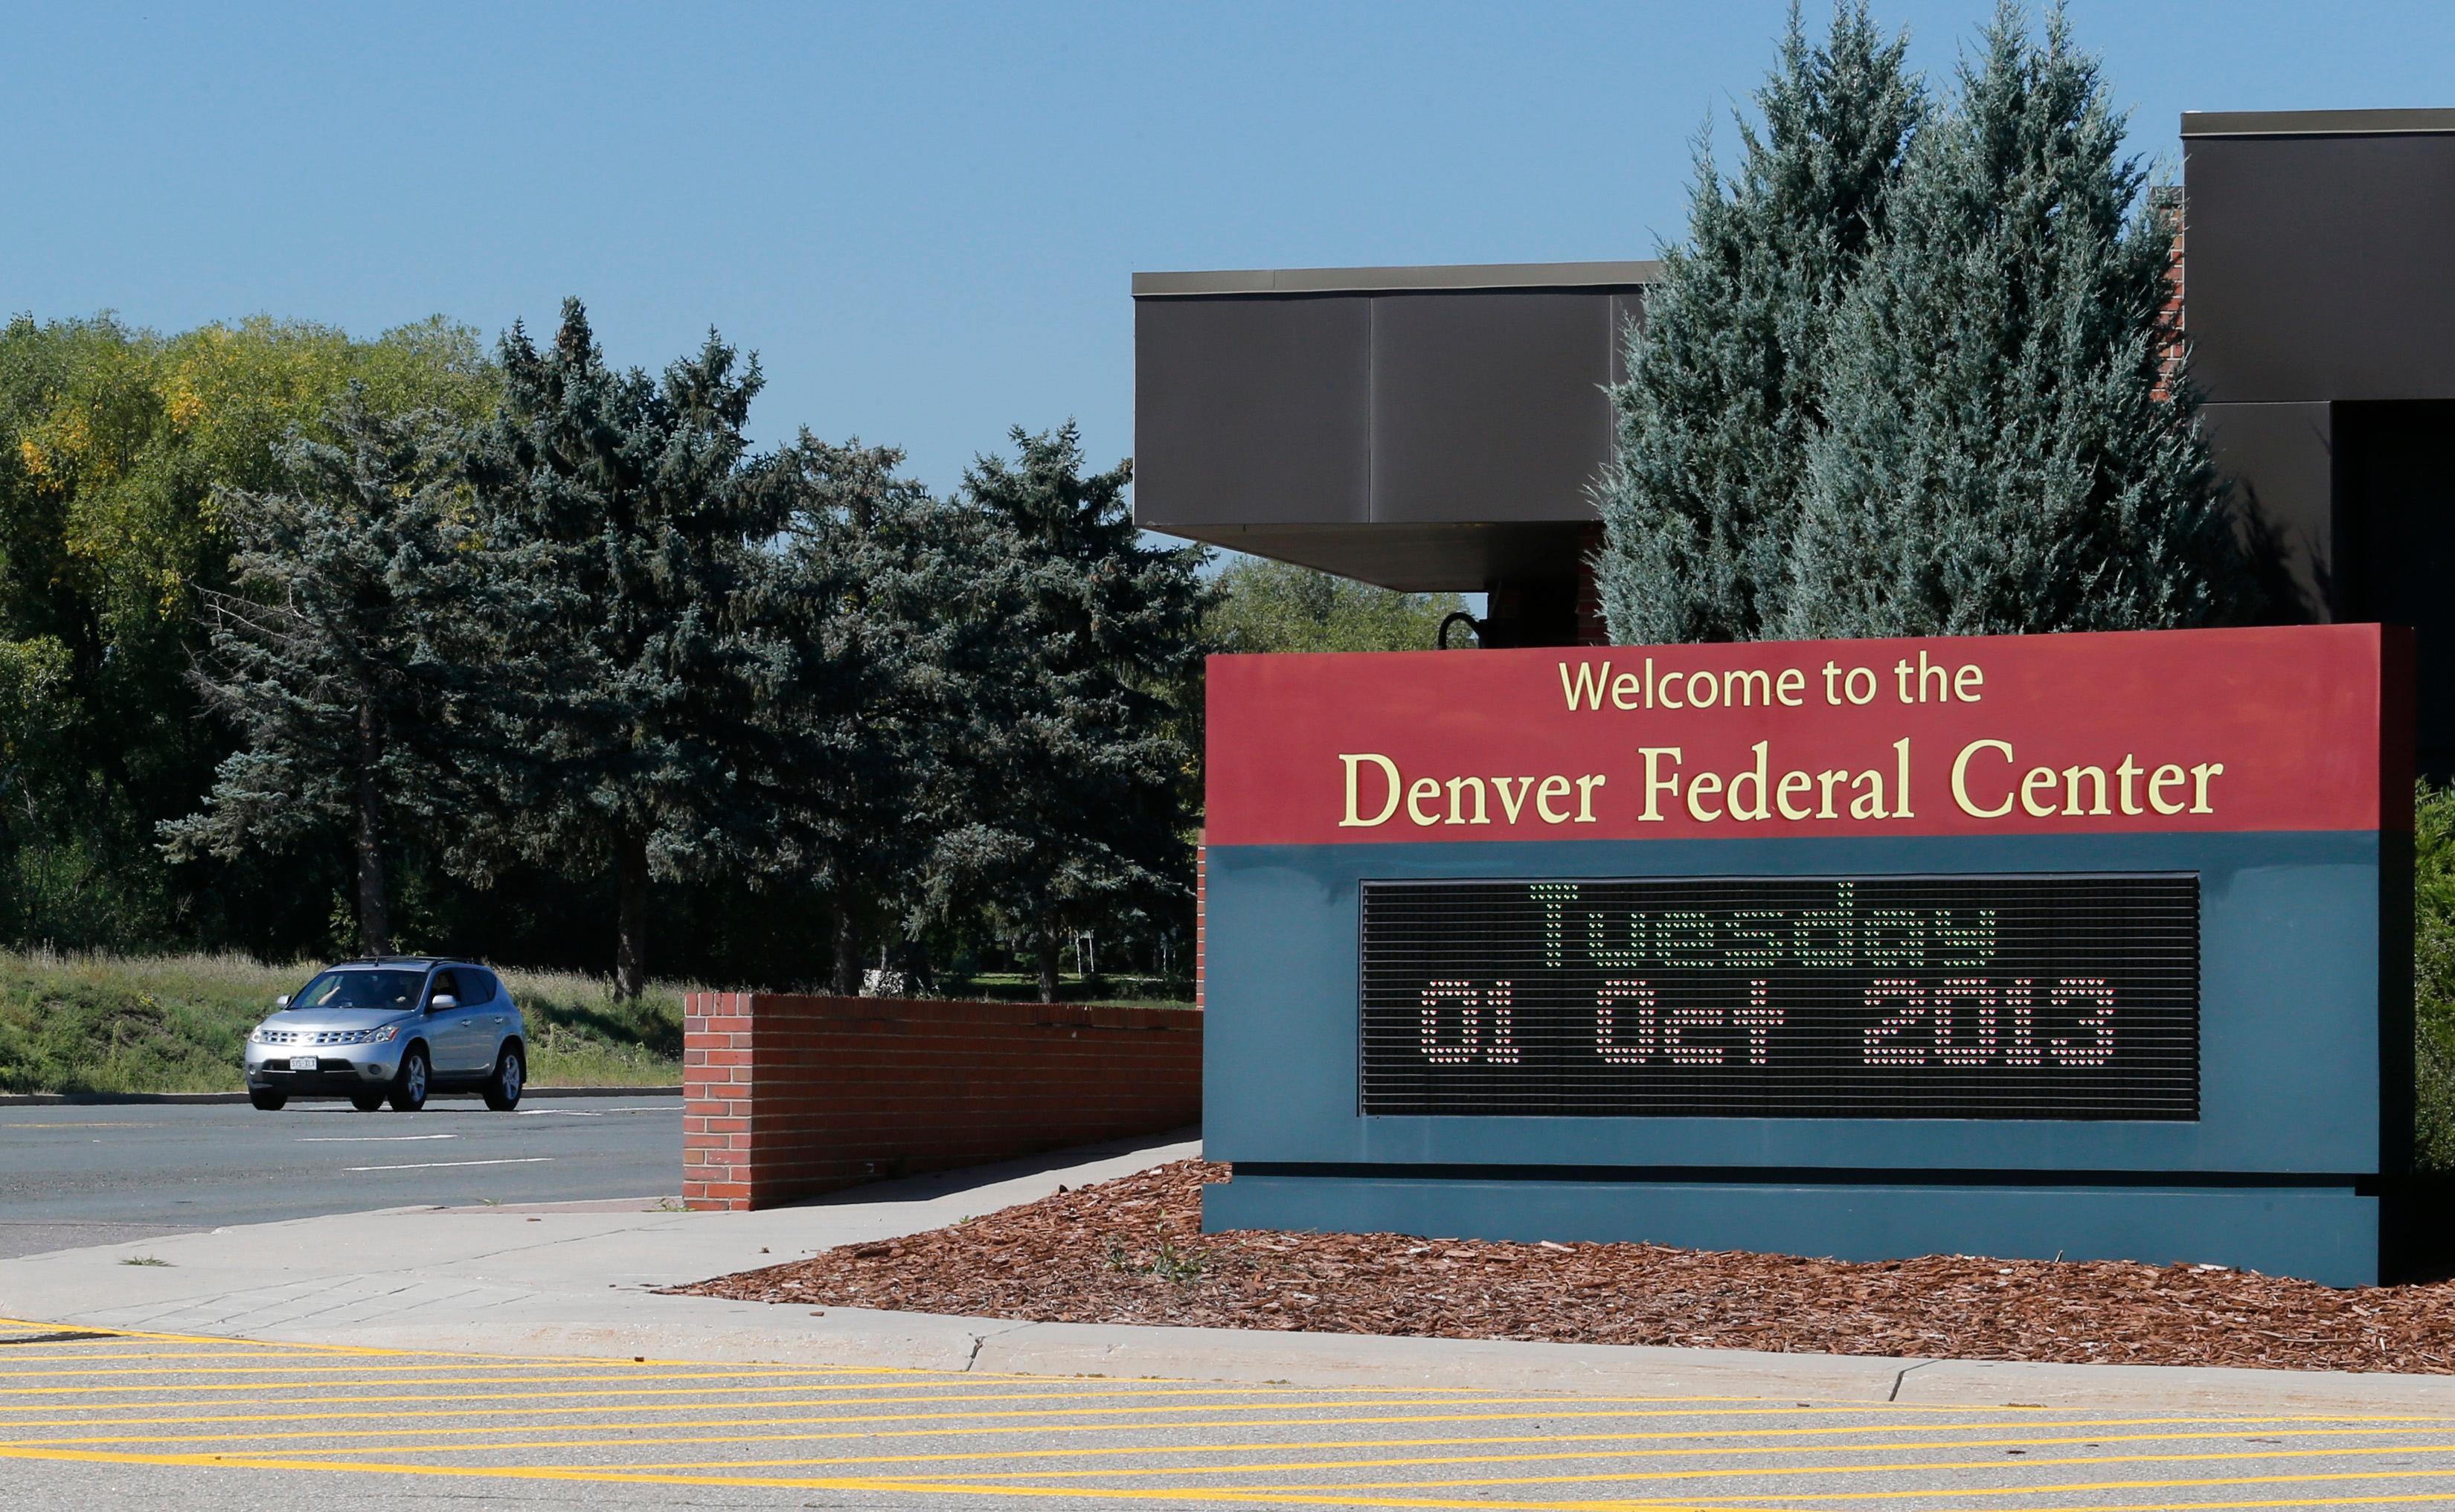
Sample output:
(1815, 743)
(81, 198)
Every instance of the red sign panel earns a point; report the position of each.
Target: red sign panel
(2289, 728)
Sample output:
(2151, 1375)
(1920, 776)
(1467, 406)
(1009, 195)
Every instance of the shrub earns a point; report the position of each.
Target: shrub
(2433, 976)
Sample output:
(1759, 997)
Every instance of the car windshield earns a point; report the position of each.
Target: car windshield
(361, 989)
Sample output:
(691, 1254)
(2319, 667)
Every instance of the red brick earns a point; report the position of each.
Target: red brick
(818, 1092)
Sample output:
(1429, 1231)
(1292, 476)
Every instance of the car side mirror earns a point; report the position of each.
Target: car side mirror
(440, 1002)
(282, 1002)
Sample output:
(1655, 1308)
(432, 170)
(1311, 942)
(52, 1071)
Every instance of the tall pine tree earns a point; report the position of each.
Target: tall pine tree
(873, 602)
(621, 549)
(1080, 747)
(322, 657)
(1998, 453)
(1722, 395)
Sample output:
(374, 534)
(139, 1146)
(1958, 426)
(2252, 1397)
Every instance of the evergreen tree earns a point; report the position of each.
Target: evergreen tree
(1998, 453)
(873, 602)
(1722, 394)
(321, 657)
(622, 549)
(1080, 750)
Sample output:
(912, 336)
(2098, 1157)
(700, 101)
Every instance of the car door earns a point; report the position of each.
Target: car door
(455, 1036)
(489, 1013)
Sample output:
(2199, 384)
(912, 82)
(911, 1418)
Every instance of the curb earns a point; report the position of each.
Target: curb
(677, 1331)
(49, 1100)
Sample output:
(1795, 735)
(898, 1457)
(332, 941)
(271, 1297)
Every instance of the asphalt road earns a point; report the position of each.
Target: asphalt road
(146, 1421)
(76, 1176)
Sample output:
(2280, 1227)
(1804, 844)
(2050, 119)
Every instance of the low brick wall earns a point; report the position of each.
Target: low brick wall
(788, 1096)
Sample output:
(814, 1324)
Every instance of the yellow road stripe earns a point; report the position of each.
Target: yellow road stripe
(1274, 1496)
(1902, 1493)
(967, 1423)
(1588, 1455)
(96, 1351)
(854, 1484)
(196, 1339)
(96, 1382)
(376, 1351)
(597, 1367)
(1100, 1393)
(329, 1401)
(1740, 1472)
(2236, 1428)
(2387, 1500)
(239, 1345)
(628, 1373)
(1274, 1406)
(1706, 1443)
(88, 1366)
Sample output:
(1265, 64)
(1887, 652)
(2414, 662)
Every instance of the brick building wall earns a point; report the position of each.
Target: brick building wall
(789, 1096)
(2169, 314)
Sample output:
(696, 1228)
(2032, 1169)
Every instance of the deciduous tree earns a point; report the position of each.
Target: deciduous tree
(1264, 605)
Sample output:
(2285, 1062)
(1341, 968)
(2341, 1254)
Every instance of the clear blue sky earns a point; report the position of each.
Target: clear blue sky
(925, 216)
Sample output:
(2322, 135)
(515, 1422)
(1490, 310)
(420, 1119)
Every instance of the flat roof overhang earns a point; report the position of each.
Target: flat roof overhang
(1418, 428)
(2317, 123)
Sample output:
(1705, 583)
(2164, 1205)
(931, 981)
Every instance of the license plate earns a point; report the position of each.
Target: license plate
(302, 1062)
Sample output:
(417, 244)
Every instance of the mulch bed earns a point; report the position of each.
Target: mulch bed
(1132, 1251)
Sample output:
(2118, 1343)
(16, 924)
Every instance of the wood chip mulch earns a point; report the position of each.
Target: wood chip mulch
(1132, 1251)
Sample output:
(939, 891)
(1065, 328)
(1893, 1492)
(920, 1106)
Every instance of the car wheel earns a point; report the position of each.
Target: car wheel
(366, 1101)
(266, 1100)
(510, 1074)
(408, 1087)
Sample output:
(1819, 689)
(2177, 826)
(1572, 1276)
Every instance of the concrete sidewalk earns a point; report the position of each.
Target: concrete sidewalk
(577, 1278)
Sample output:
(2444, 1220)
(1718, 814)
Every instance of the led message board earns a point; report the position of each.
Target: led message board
(2090, 944)
(1919, 998)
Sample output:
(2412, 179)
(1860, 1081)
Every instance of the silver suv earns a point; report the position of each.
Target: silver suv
(391, 1030)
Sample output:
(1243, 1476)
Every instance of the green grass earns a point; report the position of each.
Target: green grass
(177, 1023)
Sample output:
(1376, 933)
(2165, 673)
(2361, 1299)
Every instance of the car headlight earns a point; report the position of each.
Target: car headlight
(377, 1036)
(255, 1036)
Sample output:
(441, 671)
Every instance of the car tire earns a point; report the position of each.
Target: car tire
(409, 1088)
(366, 1101)
(266, 1100)
(510, 1078)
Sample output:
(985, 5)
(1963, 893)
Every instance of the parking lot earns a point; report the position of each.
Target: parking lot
(96, 1175)
(155, 1420)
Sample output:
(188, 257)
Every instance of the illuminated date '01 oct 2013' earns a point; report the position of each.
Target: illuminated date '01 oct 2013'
(1955, 1018)
(1960, 1021)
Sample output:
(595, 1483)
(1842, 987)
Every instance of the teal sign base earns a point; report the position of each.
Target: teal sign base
(2330, 1235)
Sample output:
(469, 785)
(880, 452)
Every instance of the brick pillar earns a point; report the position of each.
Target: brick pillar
(716, 1100)
(2176, 345)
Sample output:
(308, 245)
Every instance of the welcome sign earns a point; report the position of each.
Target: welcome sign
(2050, 910)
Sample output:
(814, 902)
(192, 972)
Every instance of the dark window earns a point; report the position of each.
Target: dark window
(360, 989)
